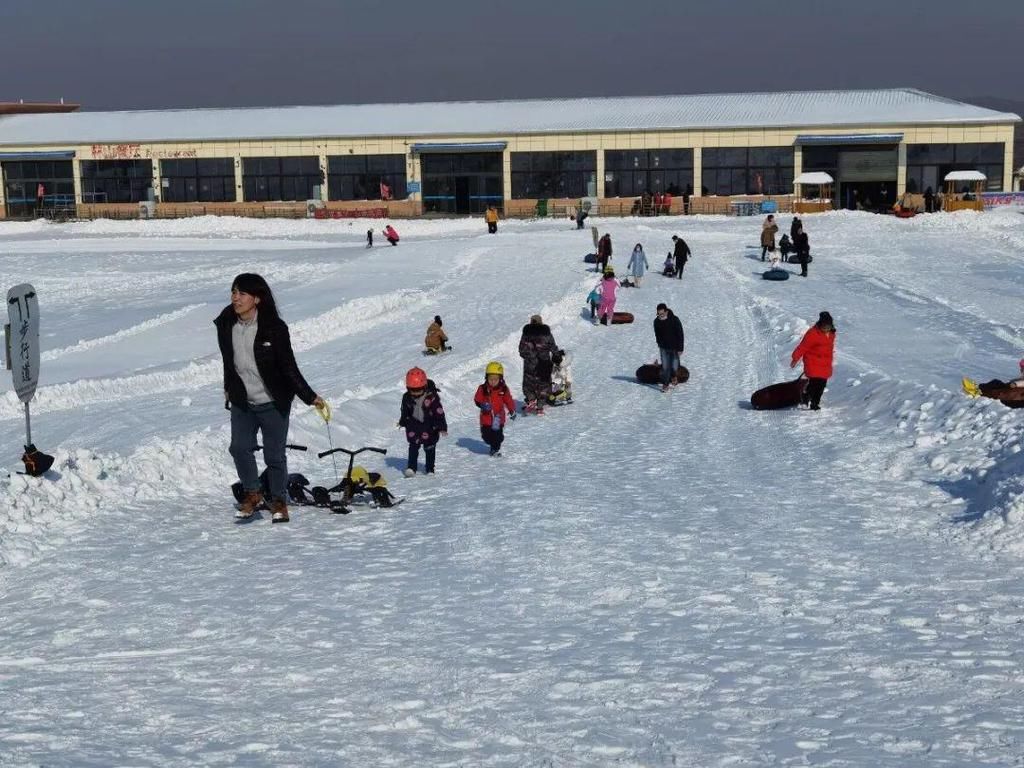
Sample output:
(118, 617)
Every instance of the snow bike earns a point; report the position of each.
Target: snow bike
(357, 487)
(296, 484)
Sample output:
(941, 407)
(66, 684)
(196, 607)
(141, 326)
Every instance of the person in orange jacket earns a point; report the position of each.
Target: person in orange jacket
(494, 399)
(816, 349)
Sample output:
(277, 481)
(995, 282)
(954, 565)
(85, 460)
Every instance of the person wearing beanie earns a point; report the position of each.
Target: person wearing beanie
(536, 345)
(436, 339)
(668, 333)
(680, 255)
(816, 349)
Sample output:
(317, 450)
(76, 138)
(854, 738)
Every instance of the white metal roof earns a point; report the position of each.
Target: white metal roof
(965, 176)
(813, 177)
(793, 109)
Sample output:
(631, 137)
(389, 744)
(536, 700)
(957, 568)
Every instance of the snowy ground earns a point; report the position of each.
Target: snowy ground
(642, 580)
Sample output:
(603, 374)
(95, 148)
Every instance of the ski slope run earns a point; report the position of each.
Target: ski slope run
(642, 579)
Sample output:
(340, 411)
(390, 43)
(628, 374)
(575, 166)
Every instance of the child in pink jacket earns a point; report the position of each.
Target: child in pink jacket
(608, 286)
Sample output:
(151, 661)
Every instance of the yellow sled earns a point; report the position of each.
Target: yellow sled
(970, 387)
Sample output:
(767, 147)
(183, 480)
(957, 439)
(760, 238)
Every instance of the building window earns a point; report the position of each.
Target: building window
(747, 170)
(116, 181)
(539, 175)
(366, 177)
(284, 179)
(631, 172)
(928, 164)
(209, 180)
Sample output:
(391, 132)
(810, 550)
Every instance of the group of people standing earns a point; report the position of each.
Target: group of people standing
(795, 242)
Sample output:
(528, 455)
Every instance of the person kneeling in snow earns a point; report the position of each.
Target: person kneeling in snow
(561, 378)
(494, 399)
(422, 418)
(436, 339)
(391, 235)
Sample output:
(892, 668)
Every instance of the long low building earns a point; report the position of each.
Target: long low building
(460, 157)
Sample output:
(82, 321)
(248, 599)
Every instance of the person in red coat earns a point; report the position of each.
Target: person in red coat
(494, 400)
(816, 349)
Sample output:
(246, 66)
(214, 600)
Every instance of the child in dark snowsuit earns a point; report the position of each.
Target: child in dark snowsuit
(369, 238)
(494, 400)
(423, 419)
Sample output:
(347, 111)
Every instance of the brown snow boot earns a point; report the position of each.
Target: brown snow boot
(278, 511)
(249, 504)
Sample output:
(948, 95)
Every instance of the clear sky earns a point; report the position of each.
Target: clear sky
(115, 54)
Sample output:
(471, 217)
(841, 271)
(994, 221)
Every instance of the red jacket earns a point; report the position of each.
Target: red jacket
(500, 399)
(816, 348)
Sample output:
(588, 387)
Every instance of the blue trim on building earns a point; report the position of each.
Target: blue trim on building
(485, 146)
(850, 138)
(37, 156)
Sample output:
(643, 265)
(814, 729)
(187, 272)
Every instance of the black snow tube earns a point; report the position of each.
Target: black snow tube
(650, 373)
(784, 395)
(776, 274)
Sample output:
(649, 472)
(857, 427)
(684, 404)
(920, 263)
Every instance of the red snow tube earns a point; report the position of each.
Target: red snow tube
(620, 318)
(905, 213)
(650, 373)
(784, 395)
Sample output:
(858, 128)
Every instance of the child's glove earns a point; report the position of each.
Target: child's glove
(485, 407)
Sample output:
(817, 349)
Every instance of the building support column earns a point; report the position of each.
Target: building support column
(239, 197)
(698, 175)
(901, 169)
(76, 173)
(599, 186)
(158, 190)
(1008, 168)
(506, 177)
(322, 160)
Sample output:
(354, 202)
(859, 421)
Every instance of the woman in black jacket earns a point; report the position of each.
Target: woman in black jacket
(261, 378)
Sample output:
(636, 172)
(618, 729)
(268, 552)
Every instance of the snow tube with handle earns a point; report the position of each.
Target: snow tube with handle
(622, 318)
(776, 274)
(650, 373)
(590, 258)
(784, 395)
(794, 259)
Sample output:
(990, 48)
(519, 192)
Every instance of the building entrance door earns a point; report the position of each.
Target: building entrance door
(462, 182)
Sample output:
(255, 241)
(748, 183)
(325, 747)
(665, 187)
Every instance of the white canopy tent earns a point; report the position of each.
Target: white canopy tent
(965, 176)
(823, 200)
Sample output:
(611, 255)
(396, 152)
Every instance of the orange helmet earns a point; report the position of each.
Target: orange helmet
(416, 378)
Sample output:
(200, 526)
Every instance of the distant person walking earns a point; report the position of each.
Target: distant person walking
(803, 250)
(768, 230)
(604, 252)
(638, 264)
(491, 217)
(680, 254)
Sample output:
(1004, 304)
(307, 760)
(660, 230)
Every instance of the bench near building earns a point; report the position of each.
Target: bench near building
(459, 157)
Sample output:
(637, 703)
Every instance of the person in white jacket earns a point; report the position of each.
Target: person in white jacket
(561, 378)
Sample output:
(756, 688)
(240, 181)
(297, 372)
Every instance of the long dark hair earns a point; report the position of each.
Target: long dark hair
(255, 285)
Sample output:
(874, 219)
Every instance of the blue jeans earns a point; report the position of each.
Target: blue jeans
(273, 424)
(669, 364)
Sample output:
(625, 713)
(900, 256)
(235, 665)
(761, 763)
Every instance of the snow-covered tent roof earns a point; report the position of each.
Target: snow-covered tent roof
(965, 176)
(813, 177)
(795, 109)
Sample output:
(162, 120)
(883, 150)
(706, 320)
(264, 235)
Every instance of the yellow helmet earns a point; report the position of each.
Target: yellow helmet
(494, 367)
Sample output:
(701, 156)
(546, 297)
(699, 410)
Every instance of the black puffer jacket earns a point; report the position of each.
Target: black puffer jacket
(681, 252)
(536, 346)
(669, 333)
(274, 360)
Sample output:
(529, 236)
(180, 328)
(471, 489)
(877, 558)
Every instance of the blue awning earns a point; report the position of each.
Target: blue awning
(37, 155)
(484, 146)
(850, 138)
